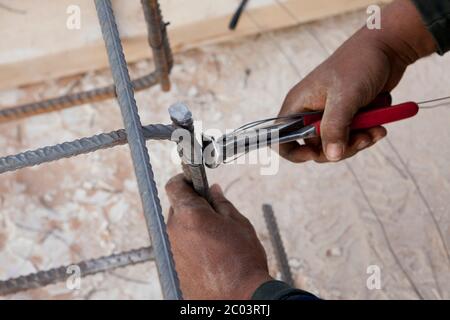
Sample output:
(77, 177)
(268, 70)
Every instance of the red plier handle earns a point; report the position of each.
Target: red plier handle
(372, 117)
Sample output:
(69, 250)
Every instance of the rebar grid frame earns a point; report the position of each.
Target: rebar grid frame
(134, 133)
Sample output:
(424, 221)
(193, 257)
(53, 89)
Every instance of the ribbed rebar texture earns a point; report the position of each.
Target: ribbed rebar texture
(193, 167)
(157, 39)
(71, 100)
(80, 146)
(141, 160)
(196, 175)
(86, 268)
(277, 244)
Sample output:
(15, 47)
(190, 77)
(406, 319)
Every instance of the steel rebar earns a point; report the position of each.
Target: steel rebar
(192, 164)
(277, 245)
(80, 146)
(86, 268)
(163, 60)
(71, 100)
(158, 41)
(139, 154)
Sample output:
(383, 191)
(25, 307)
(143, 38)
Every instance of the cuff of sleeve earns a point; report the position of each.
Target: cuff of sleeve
(436, 16)
(277, 290)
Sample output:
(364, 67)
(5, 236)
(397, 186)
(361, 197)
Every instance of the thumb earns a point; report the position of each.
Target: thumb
(221, 204)
(335, 125)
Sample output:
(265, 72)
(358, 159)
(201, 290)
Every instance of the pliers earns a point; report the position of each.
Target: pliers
(258, 134)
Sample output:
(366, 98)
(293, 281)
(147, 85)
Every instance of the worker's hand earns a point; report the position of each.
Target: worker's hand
(216, 250)
(369, 63)
(351, 78)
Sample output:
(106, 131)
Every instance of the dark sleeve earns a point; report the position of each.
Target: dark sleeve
(278, 290)
(436, 15)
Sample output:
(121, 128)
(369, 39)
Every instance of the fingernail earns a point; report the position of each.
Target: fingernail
(334, 151)
(363, 144)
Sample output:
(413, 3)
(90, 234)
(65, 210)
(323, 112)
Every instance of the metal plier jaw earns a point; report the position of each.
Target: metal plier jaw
(217, 151)
(212, 153)
(299, 126)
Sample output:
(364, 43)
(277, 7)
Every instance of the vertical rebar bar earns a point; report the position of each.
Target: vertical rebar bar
(193, 167)
(277, 245)
(157, 39)
(139, 154)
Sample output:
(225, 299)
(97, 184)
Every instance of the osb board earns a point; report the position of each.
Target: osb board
(36, 44)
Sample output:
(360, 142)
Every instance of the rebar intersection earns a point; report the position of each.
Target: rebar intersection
(134, 133)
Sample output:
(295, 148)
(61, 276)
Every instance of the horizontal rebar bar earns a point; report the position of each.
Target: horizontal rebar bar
(80, 146)
(162, 55)
(71, 100)
(139, 154)
(86, 268)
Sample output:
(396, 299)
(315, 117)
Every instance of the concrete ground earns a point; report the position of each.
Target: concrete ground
(386, 207)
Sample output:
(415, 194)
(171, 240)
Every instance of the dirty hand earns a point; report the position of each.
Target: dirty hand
(369, 63)
(216, 250)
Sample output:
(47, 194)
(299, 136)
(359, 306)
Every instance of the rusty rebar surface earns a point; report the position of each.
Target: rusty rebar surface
(72, 100)
(86, 268)
(277, 244)
(158, 41)
(139, 154)
(163, 60)
(192, 164)
(80, 146)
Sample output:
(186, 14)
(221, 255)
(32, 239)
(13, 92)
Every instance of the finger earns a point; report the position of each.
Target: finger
(297, 153)
(182, 196)
(362, 140)
(292, 102)
(384, 99)
(170, 217)
(377, 133)
(312, 150)
(367, 136)
(305, 96)
(358, 141)
(338, 115)
(221, 204)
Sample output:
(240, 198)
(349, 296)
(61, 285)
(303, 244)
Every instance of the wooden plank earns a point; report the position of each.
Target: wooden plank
(36, 44)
